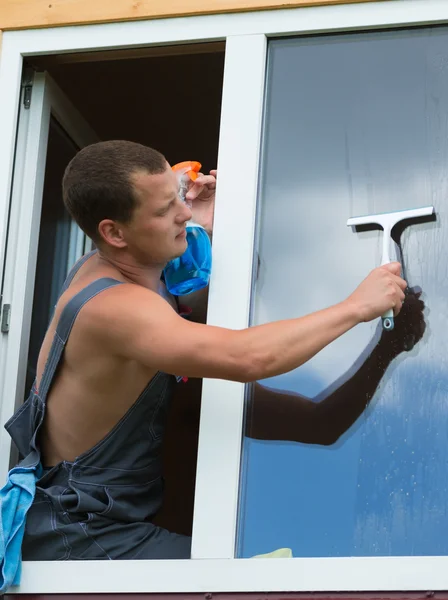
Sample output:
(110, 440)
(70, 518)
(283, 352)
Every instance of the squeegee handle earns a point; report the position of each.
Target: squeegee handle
(388, 317)
(388, 320)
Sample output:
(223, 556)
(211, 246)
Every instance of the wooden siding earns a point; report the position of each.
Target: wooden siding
(27, 14)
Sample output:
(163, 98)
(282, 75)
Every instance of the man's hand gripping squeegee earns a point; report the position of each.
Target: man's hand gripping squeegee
(387, 221)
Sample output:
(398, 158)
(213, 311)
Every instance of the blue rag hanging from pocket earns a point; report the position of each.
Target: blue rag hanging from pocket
(16, 497)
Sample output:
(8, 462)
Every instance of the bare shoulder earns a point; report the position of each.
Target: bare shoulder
(124, 310)
(133, 323)
(117, 302)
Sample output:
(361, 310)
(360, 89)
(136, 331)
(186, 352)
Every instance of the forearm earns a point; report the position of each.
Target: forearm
(197, 303)
(279, 347)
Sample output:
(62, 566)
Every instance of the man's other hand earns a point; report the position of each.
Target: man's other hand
(201, 195)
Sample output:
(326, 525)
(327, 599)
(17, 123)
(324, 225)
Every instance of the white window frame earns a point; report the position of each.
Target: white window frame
(47, 100)
(213, 567)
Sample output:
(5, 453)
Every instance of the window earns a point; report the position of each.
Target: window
(354, 124)
(61, 243)
(42, 240)
(222, 517)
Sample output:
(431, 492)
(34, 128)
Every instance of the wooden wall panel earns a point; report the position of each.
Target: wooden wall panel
(25, 14)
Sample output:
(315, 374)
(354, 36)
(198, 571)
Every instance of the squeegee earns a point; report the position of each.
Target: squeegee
(388, 221)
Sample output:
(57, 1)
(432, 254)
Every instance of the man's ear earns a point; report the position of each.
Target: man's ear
(111, 233)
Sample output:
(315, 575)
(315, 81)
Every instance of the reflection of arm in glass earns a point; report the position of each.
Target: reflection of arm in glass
(278, 415)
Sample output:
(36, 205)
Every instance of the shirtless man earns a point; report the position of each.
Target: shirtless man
(92, 420)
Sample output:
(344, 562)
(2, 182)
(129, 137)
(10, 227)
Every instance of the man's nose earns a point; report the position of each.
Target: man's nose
(187, 212)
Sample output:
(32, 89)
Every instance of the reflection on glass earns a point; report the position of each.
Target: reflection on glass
(355, 124)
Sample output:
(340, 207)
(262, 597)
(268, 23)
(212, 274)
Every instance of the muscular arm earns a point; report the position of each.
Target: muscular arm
(276, 415)
(137, 324)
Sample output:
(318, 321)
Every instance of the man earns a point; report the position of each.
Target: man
(92, 419)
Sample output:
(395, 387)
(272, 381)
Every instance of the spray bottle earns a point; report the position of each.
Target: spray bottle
(191, 271)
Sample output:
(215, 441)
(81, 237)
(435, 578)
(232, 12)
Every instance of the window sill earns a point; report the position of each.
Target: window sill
(236, 575)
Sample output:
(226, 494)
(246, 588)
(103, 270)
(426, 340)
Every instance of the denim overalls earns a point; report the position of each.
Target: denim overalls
(100, 505)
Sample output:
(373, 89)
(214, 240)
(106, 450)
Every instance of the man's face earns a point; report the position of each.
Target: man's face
(156, 233)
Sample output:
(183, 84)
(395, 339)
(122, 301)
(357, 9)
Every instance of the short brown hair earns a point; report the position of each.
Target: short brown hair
(97, 182)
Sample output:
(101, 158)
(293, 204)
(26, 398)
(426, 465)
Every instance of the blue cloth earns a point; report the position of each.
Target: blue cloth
(16, 498)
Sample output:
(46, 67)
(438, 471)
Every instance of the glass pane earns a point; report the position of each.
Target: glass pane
(61, 242)
(355, 124)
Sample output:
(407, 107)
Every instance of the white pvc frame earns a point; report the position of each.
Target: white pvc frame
(213, 567)
(24, 222)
